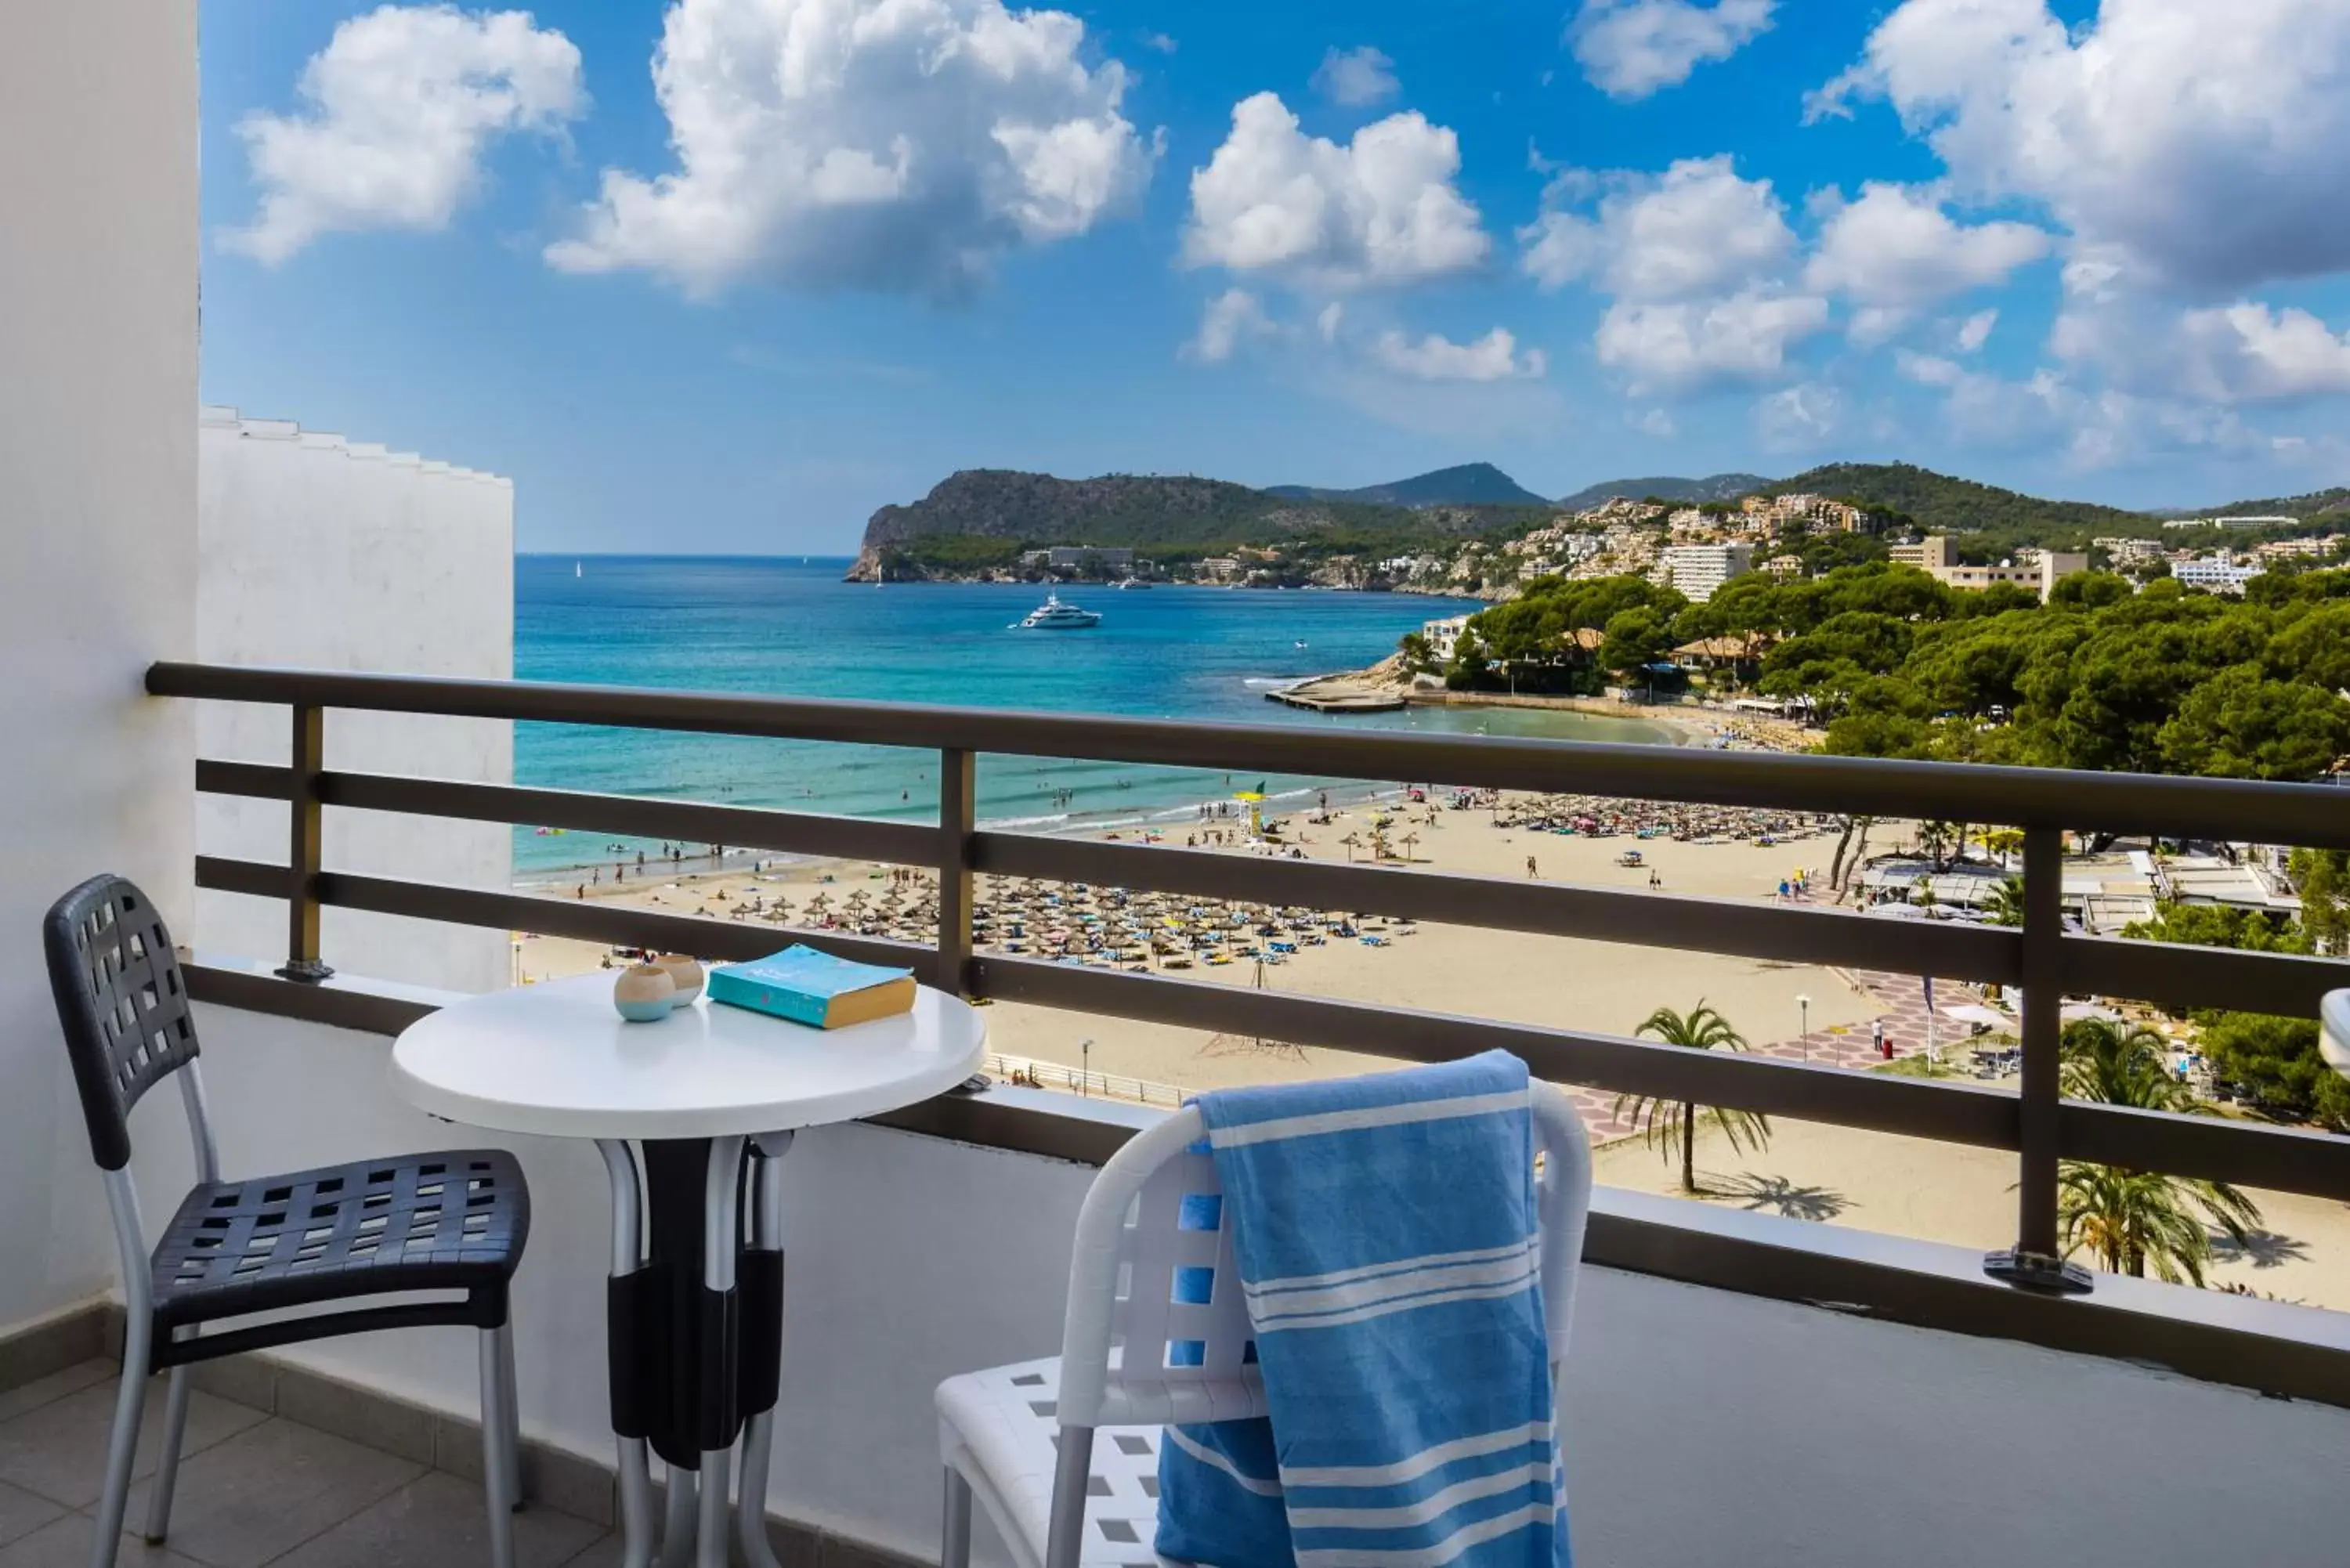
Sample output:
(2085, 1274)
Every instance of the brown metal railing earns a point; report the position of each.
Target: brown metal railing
(2041, 957)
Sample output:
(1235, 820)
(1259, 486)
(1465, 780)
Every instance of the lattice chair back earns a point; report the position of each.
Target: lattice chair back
(123, 1004)
(1178, 1346)
(1156, 1328)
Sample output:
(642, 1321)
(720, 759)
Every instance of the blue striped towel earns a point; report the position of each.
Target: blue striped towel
(1386, 1232)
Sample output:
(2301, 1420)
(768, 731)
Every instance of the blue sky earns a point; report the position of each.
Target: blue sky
(845, 247)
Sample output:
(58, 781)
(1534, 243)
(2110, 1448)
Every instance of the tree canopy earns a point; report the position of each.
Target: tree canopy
(2162, 680)
(2158, 679)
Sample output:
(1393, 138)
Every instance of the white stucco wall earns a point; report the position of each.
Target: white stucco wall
(1702, 1428)
(328, 554)
(98, 532)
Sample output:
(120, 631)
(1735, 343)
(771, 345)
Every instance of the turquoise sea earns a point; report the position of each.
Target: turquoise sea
(790, 627)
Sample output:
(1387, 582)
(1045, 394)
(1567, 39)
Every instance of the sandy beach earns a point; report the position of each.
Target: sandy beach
(1869, 1180)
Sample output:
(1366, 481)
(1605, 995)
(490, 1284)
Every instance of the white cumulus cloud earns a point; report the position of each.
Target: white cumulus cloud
(1357, 77)
(1692, 229)
(1976, 330)
(398, 111)
(1795, 418)
(1696, 260)
(2197, 144)
(1232, 318)
(1632, 48)
(2251, 352)
(1896, 249)
(1381, 209)
(1493, 357)
(898, 145)
(1689, 343)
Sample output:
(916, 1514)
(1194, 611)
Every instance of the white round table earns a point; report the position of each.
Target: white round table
(2333, 1031)
(694, 1310)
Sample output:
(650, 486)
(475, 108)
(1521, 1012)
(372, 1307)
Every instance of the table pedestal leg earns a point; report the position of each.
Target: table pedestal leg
(627, 1257)
(696, 1332)
(762, 1340)
(678, 1519)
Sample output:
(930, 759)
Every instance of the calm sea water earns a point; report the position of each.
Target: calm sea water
(786, 627)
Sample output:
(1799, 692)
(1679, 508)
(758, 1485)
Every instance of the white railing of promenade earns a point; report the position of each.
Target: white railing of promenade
(1026, 1071)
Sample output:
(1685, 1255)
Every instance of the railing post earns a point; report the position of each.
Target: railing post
(2035, 1261)
(306, 760)
(958, 818)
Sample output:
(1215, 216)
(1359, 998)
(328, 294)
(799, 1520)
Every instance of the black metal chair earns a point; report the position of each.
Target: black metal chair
(452, 1221)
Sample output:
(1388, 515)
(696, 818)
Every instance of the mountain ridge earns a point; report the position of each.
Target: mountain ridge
(979, 517)
(1715, 487)
(1464, 485)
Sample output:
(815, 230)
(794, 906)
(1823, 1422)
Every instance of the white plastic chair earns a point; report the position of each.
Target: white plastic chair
(1023, 1440)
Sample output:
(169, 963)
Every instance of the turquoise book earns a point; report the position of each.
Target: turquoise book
(814, 988)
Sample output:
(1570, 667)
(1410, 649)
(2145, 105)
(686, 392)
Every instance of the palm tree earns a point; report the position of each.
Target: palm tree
(2115, 1066)
(2130, 1219)
(1663, 1121)
(2007, 902)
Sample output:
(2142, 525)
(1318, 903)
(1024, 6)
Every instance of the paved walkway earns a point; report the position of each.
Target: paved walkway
(1901, 1002)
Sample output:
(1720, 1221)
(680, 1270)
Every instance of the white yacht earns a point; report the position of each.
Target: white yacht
(1055, 615)
(1134, 583)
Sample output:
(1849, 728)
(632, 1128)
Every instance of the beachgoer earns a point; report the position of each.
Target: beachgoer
(1529, 867)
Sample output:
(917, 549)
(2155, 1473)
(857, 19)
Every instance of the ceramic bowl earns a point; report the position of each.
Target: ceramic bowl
(644, 992)
(684, 972)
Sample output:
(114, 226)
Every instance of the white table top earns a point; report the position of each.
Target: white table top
(2333, 1037)
(555, 1059)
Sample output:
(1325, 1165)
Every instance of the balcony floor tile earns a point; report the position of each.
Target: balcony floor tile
(65, 1545)
(268, 1489)
(21, 1512)
(434, 1521)
(58, 1449)
(254, 1490)
(55, 1387)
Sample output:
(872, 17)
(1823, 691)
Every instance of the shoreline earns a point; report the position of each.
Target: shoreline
(1377, 690)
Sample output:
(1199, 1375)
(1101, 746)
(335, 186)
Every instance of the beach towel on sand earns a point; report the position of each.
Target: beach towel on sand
(1386, 1230)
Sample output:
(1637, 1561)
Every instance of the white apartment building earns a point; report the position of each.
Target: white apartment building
(2232, 523)
(2039, 570)
(2131, 552)
(1698, 570)
(1444, 636)
(2218, 574)
(2297, 549)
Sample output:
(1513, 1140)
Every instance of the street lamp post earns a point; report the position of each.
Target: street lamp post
(1803, 1006)
(1085, 1055)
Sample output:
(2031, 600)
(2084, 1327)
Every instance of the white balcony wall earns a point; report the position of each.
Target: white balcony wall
(98, 535)
(1701, 1427)
(328, 554)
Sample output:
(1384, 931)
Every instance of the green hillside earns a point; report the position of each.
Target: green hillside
(2329, 506)
(979, 521)
(1470, 484)
(1689, 492)
(1939, 504)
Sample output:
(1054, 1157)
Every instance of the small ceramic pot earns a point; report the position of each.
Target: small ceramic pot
(644, 992)
(684, 972)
